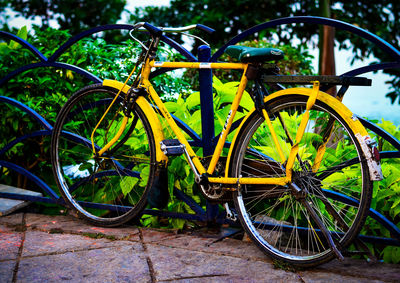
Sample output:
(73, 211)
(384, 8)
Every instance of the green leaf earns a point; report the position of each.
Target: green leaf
(171, 106)
(86, 166)
(127, 184)
(396, 255)
(387, 254)
(193, 100)
(23, 34)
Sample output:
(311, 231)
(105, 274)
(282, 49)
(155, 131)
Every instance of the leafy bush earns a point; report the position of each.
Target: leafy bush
(46, 89)
(386, 197)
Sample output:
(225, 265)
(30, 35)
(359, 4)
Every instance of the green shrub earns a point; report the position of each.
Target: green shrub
(46, 89)
(386, 197)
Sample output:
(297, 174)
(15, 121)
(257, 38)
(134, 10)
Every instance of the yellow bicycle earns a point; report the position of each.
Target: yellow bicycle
(299, 168)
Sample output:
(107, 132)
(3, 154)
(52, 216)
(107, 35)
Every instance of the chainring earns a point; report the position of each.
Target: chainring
(215, 192)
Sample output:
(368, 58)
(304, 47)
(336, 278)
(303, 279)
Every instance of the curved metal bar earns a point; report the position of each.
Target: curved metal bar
(372, 212)
(24, 43)
(192, 134)
(50, 62)
(31, 177)
(31, 198)
(372, 68)
(189, 201)
(122, 172)
(389, 154)
(24, 137)
(178, 47)
(384, 45)
(86, 33)
(79, 139)
(380, 132)
(76, 69)
(28, 110)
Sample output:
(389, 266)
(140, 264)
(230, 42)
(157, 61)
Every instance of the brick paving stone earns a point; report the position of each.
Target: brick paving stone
(10, 241)
(184, 241)
(239, 248)
(154, 235)
(61, 248)
(116, 264)
(12, 219)
(324, 277)
(69, 224)
(39, 243)
(358, 268)
(6, 271)
(226, 246)
(173, 264)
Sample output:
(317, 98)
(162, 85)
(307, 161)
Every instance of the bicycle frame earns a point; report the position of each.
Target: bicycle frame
(193, 159)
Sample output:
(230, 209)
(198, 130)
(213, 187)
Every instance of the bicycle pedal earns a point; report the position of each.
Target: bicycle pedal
(172, 147)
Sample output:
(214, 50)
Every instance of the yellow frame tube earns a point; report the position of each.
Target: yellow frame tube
(300, 132)
(274, 136)
(249, 181)
(116, 137)
(198, 65)
(225, 131)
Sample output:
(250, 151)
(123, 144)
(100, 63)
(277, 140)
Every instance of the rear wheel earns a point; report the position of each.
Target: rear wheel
(335, 186)
(111, 189)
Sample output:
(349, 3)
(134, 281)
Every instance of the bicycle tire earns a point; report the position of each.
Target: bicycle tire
(112, 189)
(339, 192)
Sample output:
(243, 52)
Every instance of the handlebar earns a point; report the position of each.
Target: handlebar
(144, 26)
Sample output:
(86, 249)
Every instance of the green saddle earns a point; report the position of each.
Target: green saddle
(253, 55)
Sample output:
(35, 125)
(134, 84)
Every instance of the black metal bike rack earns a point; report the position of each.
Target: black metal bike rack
(207, 141)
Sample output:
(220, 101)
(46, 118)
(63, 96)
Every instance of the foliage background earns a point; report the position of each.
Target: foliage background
(46, 89)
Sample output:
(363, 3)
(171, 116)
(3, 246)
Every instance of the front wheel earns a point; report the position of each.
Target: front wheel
(111, 189)
(335, 185)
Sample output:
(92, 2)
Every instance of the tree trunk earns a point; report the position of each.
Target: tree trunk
(326, 45)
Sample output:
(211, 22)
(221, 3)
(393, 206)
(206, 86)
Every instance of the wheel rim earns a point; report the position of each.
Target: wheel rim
(113, 187)
(272, 216)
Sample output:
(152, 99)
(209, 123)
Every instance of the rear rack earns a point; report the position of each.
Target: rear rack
(324, 80)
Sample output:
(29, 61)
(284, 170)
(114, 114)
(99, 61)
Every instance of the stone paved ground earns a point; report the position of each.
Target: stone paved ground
(39, 248)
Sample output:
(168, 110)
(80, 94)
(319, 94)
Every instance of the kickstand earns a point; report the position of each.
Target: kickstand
(363, 250)
(227, 232)
(362, 246)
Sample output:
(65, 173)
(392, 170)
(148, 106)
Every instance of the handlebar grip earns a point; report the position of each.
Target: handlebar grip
(205, 28)
(152, 29)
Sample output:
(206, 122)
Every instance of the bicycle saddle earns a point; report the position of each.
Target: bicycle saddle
(252, 55)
